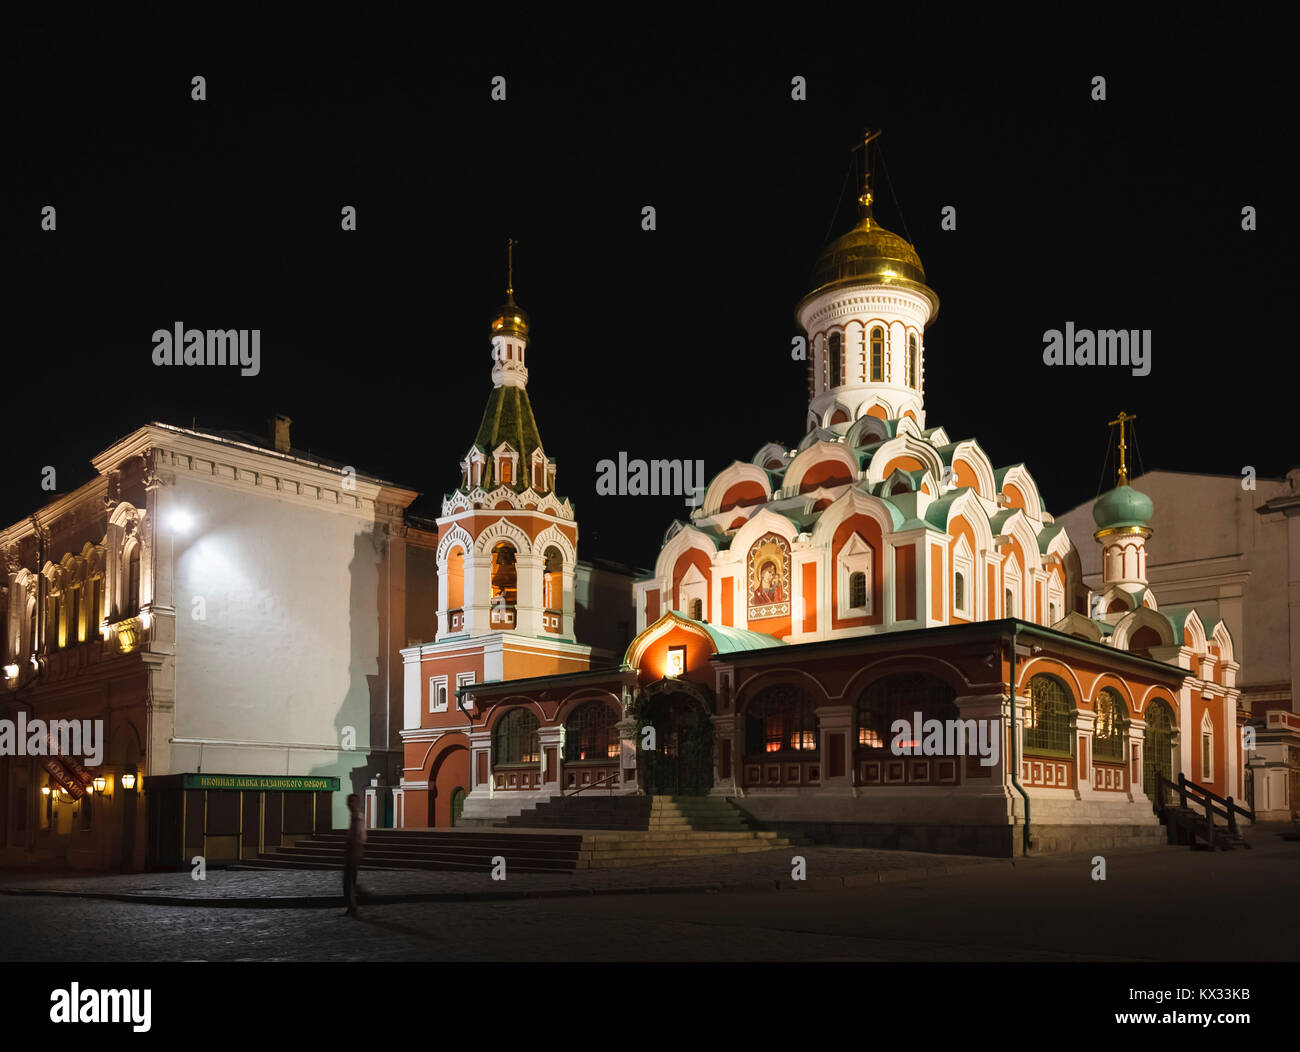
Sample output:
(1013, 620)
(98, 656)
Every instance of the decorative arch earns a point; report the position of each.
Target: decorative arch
(735, 473)
(457, 535)
(1131, 623)
(1018, 478)
(820, 452)
(1049, 712)
(904, 445)
(1223, 640)
(502, 530)
(553, 535)
(976, 461)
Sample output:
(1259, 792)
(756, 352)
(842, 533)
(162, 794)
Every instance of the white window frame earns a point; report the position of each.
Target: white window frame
(693, 585)
(434, 683)
(854, 557)
(1207, 731)
(963, 562)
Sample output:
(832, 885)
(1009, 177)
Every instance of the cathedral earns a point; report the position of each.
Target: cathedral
(873, 635)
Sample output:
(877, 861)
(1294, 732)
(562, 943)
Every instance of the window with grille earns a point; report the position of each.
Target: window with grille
(877, 354)
(1047, 718)
(836, 359)
(1110, 728)
(858, 589)
(589, 733)
(781, 722)
(697, 609)
(900, 697)
(514, 740)
(1157, 746)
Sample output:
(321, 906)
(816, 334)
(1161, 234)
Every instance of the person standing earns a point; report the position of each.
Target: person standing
(352, 851)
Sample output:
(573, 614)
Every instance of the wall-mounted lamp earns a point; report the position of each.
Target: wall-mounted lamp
(128, 781)
(45, 790)
(90, 788)
(100, 783)
(11, 672)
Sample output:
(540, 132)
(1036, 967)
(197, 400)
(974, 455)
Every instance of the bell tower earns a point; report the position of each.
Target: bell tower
(507, 543)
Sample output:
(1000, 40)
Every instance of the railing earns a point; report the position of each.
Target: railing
(611, 778)
(1213, 804)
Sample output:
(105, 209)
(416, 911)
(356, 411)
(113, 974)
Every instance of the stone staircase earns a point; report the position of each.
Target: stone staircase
(562, 835)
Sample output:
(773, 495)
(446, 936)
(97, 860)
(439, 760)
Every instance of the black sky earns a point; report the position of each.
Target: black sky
(670, 344)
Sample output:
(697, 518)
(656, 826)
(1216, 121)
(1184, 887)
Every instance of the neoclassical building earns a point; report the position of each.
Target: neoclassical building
(829, 635)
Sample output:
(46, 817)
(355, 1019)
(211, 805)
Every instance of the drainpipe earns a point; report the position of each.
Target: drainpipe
(1015, 737)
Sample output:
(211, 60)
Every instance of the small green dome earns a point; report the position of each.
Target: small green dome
(1122, 506)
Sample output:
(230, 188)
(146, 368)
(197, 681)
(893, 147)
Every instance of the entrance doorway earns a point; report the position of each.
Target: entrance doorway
(457, 804)
(682, 762)
(1158, 750)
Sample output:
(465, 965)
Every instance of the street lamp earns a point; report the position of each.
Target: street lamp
(128, 781)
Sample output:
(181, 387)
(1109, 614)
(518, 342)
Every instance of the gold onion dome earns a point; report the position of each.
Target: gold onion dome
(870, 255)
(510, 319)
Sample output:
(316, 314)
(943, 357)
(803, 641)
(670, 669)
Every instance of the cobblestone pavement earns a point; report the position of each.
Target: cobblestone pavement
(1041, 910)
(824, 868)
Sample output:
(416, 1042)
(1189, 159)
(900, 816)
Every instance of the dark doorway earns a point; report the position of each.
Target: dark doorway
(457, 804)
(682, 762)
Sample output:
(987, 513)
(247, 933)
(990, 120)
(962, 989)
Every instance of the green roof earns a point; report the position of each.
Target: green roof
(732, 640)
(508, 418)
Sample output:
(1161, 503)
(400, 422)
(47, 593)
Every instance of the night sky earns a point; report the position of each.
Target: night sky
(666, 344)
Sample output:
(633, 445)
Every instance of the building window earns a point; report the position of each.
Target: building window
(782, 722)
(877, 354)
(1009, 603)
(900, 697)
(1047, 717)
(515, 739)
(963, 565)
(590, 734)
(133, 581)
(959, 591)
(437, 693)
(505, 471)
(1110, 728)
(913, 378)
(836, 359)
(854, 569)
(697, 609)
(1207, 748)
(858, 589)
(553, 579)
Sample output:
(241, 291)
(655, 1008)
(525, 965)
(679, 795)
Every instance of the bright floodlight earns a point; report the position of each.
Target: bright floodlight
(181, 521)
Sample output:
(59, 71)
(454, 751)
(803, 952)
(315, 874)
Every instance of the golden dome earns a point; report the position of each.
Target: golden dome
(510, 319)
(870, 255)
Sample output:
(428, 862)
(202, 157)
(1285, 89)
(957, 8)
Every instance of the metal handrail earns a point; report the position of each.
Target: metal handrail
(611, 778)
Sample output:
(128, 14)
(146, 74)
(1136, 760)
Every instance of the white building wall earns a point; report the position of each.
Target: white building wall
(289, 654)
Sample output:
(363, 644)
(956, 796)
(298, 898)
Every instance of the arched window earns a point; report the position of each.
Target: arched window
(1157, 745)
(781, 721)
(836, 367)
(900, 697)
(133, 581)
(877, 354)
(913, 376)
(959, 591)
(590, 734)
(1047, 717)
(1009, 601)
(503, 574)
(1110, 728)
(553, 579)
(697, 609)
(514, 739)
(456, 578)
(857, 589)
